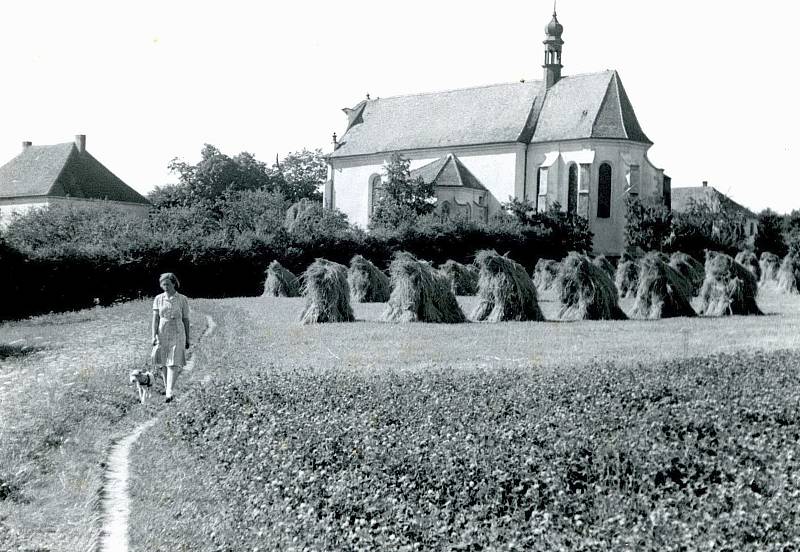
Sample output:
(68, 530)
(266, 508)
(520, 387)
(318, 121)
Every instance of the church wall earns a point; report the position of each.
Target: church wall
(495, 166)
(621, 155)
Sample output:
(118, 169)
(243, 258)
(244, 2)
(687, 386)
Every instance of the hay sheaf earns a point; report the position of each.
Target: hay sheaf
(280, 282)
(420, 294)
(368, 284)
(586, 291)
(602, 262)
(729, 288)
(663, 292)
(545, 274)
(463, 279)
(626, 278)
(789, 274)
(505, 290)
(749, 260)
(690, 268)
(327, 293)
(770, 264)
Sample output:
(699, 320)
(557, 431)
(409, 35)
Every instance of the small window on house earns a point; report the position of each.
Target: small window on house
(604, 191)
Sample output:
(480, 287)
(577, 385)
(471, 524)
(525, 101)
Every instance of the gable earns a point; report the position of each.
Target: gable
(448, 171)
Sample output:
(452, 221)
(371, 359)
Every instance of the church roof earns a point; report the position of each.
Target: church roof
(61, 170)
(448, 171)
(682, 199)
(593, 105)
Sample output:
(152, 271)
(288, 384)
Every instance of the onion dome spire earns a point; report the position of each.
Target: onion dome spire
(552, 50)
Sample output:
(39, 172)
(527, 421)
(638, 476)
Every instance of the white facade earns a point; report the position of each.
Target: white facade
(512, 170)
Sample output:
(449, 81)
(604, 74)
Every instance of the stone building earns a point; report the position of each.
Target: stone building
(570, 139)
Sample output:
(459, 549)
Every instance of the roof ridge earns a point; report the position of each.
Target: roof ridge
(615, 82)
(525, 81)
(63, 166)
(433, 92)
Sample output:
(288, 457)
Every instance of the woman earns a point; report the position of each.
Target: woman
(170, 331)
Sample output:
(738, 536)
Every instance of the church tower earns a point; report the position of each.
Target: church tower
(552, 51)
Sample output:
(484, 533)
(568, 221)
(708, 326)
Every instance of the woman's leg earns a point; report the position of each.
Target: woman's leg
(172, 377)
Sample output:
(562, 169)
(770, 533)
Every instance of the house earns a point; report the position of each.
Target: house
(572, 140)
(684, 198)
(62, 174)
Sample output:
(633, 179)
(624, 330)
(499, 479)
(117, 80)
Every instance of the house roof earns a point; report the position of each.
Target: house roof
(581, 106)
(61, 170)
(682, 199)
(448, 171)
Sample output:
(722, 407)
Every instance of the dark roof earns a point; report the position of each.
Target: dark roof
(581, 106)
(682, 198)
(60, 170)
(448, 171)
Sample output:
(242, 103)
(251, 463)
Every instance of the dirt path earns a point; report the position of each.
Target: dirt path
(115, 502)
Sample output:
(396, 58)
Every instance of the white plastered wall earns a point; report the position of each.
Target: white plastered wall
(496, 167)
(620, 154)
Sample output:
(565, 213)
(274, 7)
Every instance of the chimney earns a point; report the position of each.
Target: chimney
(80, 142)
(705, 183)
(26, 145)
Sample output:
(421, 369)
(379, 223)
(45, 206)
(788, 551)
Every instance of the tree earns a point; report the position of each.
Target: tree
(770, 233)
(301, 175)
(702, 227)
(569, 230)
(648, 224)
(214, 174)
(402, 200)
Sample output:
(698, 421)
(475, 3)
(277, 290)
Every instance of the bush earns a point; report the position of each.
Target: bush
(648, 224)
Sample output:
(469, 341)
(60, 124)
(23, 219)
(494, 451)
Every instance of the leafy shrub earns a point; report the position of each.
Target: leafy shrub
(691, 451)
(648, 223)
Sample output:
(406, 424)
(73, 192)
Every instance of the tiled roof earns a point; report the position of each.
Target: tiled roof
(682, 199)
(594, 105)
(487, 114)
(448, 171)
(60, 170)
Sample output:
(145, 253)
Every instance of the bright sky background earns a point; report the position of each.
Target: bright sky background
(713, 83)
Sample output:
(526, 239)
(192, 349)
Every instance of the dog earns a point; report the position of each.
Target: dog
(143, 379)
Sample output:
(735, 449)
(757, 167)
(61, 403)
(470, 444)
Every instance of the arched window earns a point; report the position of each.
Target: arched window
(374, 192)
(445, 210)
(572, 189)
(604, 191)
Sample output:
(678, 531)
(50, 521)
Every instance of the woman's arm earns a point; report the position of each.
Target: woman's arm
(185, 312)
(154, 326)
(186, 328)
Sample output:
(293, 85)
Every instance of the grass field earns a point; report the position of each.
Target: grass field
(417, 436)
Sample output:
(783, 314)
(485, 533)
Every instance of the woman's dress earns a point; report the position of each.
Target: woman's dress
(171, 347)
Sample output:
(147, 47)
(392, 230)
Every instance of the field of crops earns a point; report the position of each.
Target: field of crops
(479, 436)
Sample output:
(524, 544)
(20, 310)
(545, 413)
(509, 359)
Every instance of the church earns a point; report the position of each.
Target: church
(567, 139)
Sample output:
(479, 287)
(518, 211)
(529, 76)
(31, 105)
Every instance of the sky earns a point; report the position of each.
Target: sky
(148, 81)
